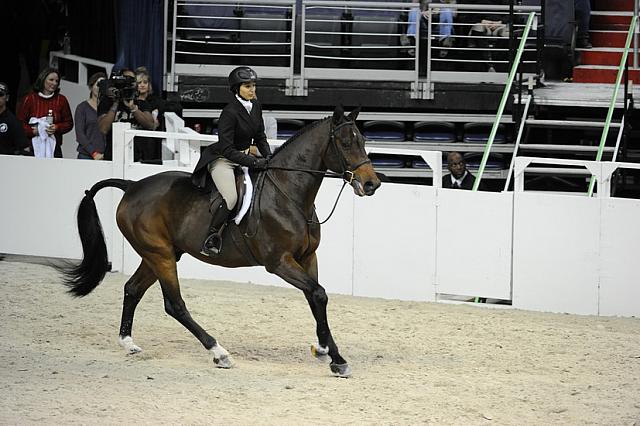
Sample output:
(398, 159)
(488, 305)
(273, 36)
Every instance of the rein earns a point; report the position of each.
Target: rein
(347, 175)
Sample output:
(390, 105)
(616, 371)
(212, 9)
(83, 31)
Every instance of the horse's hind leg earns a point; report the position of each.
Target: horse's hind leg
(134, 289)
(164, 267)
(305, 277)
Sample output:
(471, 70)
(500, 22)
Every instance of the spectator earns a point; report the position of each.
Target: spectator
(121, 105)
(486, 28)
(91, 142)
(12, 138)
(35, 106)
(444, 28)
(583, 16)
(147, 149)
(459, 177)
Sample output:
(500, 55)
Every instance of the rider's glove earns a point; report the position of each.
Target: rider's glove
(260, 164)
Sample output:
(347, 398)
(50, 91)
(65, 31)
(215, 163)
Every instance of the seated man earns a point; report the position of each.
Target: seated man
(460, 177)
(444, 27)
(486, 28)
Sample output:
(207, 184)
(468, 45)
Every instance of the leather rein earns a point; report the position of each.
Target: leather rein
(347, 174)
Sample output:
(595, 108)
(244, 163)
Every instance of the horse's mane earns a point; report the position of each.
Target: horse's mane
(300, 132)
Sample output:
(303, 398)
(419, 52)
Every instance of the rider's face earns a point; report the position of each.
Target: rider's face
(248, 90)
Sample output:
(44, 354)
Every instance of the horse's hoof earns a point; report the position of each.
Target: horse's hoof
(221, 357)
(222, 362)
(129, 347)
(319, 352)
(341, 370)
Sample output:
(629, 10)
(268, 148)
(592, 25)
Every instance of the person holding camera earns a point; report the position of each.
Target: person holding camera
(240, 126)
(45, 113)
(117, 103)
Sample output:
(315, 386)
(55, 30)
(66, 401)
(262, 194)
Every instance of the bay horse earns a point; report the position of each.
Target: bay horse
(164, 216)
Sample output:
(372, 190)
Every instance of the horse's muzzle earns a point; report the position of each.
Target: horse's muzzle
(367, 188)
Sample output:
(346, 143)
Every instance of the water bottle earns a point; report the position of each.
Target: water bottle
(66, 43)
(50, 117)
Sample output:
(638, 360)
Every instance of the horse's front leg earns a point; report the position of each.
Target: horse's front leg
(305, 277)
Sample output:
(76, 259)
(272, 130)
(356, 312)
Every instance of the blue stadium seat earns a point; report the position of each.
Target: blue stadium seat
(288, 127)
(495, 161)
(381, 130)
(479, 133)
(436, 132)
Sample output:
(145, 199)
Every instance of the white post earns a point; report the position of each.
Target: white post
(118, 162)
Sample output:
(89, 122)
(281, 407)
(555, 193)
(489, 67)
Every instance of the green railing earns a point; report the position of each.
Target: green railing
(503, 101)
(612, 104)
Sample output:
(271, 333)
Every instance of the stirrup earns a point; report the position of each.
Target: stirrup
(212, 245)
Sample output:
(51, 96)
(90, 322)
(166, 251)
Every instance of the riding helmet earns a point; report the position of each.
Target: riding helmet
(241, 75)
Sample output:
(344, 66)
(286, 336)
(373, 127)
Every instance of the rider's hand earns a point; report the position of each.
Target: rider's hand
(260, 164)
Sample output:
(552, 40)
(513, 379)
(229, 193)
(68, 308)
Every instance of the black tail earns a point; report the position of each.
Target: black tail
(86, 276)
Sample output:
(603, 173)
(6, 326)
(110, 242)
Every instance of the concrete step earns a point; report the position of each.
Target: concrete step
(612, 5)
(602, 38)
(568, 123)
(548, 147)
(601, 74)
(606, 20)
(603, 56)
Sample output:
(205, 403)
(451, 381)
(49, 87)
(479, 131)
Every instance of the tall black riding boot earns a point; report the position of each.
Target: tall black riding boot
(213, 243)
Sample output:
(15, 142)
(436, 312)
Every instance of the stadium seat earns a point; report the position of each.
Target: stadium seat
(288, 127)
(388, 162)
(265, 33)
(479, 133)
(330, 25)
(435, 132)
(495, 161)
(387, 131)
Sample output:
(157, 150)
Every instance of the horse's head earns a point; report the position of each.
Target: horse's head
(346, 155)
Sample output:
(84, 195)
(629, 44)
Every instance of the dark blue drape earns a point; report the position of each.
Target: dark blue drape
(140, 37)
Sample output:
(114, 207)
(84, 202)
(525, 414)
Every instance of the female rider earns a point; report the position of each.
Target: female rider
(239, 127)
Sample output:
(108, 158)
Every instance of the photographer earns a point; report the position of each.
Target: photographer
(117, 103)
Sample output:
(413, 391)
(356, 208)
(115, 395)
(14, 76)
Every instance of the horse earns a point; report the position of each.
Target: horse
(164, 216)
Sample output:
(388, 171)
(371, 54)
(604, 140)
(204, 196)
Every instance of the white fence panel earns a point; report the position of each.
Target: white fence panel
(40, 198)
(394, 243)
(620, 241)
(556, 253)
(474, 243)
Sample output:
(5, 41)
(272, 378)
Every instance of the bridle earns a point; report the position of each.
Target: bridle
(347, 173)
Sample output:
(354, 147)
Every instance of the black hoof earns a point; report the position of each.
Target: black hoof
(340, 370)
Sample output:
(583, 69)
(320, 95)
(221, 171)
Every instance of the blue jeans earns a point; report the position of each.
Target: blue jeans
(444, 27)
(583, 15)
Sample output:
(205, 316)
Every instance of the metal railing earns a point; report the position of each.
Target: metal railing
(623, 69)
(503, 100)
(472, 48)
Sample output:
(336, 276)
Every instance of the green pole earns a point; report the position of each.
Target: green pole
(612, 105)
(503, 101)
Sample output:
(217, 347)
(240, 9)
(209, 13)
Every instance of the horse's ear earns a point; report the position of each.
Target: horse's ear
(354, 114)
(338, 113)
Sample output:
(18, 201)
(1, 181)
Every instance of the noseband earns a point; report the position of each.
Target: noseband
(347, 173)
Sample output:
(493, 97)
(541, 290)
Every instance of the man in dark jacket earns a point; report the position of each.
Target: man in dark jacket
(460, 177)
(13, 141)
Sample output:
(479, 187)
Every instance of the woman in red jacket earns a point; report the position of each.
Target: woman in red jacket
(46, 97)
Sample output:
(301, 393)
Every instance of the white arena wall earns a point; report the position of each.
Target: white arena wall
(545, 252)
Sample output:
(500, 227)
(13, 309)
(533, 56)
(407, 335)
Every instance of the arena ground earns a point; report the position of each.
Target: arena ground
(413, 363)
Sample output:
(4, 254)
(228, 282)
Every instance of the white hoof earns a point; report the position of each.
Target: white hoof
(319, 352)
(221, 357)
(129, 347)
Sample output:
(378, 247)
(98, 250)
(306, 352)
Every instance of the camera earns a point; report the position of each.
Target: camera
(120, 87)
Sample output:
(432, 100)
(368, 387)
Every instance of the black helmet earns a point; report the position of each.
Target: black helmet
(241, 75)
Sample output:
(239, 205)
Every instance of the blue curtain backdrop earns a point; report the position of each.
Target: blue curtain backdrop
(140, 37)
